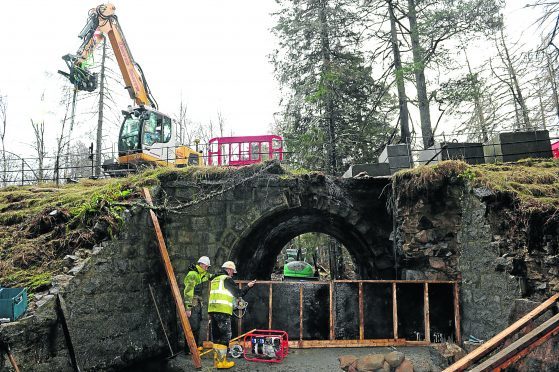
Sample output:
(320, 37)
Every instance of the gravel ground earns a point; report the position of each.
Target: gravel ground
(424, 359)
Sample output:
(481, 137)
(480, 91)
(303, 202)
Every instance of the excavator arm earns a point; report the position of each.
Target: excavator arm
(147, 137)
(102, 19)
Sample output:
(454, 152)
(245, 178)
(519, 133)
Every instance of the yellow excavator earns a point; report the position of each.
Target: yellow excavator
(147, 137)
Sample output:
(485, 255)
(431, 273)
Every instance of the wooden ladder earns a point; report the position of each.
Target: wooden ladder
(517, 349)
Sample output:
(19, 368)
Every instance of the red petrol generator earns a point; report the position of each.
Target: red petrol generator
(266, 345)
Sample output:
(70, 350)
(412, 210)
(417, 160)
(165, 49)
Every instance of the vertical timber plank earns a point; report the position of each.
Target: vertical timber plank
(173, 282)
(270, 308)
(457, 332)
(361, 313)
(331, 310)
(426, 312)
(301, 313)
(240, 318)
(394, 311)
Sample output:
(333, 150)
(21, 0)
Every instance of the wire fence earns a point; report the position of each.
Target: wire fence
(68, 168)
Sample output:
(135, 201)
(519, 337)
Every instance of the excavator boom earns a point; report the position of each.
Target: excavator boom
(147, 136)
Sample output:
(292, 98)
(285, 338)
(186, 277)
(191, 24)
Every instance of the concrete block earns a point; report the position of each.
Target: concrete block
(513, 146)
(373, 170)
(398, 156)
(470, 152)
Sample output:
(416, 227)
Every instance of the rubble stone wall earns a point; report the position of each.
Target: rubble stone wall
(109, 311)
(111, 317)
(481, 239)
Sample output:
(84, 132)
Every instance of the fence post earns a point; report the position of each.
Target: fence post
(22, 171)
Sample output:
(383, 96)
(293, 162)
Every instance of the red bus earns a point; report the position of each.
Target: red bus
(244, 150)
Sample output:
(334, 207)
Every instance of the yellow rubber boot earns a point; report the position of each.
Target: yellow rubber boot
(220, 357)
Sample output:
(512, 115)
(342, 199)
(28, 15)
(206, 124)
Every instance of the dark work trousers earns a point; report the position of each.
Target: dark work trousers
(221, 328)
(195, 321)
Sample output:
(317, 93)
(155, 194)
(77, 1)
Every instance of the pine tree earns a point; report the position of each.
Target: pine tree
(330, 105)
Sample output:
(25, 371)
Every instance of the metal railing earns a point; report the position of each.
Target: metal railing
(17, 170)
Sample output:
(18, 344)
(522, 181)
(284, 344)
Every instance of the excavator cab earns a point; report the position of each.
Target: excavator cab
(148, 130)
(147, 137)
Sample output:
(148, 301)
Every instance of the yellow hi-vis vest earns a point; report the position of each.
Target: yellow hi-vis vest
(221, 299)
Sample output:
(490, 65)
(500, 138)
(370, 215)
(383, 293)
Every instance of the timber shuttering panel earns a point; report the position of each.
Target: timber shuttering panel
(354, 312)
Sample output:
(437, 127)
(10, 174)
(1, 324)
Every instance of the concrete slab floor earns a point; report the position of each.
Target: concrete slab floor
(424, 359)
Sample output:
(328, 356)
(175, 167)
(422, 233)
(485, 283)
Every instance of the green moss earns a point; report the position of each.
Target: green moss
(533, 182)
(33, 280)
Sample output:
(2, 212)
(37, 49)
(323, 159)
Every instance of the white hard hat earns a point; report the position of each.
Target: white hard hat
(229, 265)
(204, 260)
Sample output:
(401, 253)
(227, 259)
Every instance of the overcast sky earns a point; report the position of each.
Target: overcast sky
(211, 53)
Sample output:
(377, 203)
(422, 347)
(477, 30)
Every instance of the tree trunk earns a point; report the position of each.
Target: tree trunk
(327, 100)
(552, 77)
(100, 113)
(542, 109)
(478, 107)
(405, 135)
(421, 83)
(39, 131)
(514, 79)
(72, 119)
(4, 113)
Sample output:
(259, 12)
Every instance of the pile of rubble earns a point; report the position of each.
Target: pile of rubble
(393, 361)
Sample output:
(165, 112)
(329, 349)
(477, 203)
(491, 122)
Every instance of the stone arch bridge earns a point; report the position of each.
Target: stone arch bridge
(252, 221)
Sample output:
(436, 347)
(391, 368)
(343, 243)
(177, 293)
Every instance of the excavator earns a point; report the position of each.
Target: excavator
(147, 137)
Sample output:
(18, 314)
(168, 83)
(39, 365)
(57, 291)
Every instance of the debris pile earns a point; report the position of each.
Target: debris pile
(393, 361)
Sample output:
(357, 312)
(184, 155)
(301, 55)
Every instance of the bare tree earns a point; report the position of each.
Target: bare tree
(3, 122)
(39, 147)
(220, 122)
(100, 113)
(61, 140)
(505, 56)
(183, 123)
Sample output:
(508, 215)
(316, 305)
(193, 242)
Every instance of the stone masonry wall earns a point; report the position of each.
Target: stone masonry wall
(110, 314)
(444, 235)
(487, 294)
(477, 237)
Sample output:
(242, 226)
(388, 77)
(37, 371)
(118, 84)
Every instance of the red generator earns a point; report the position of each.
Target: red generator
(266, 345)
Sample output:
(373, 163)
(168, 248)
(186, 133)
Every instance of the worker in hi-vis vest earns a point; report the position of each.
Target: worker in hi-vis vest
(194, 293)
(223, 292)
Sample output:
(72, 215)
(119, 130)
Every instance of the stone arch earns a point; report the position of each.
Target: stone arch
(259, 245)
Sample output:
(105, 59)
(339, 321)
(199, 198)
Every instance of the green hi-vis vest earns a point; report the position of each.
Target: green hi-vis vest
(221, 300)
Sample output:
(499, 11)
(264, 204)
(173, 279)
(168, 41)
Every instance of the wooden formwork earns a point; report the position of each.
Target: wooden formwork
(331, 341)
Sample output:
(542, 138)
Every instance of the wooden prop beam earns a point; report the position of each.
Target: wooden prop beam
(361, 314)
(173, 282)
(394, 311)
(239, 319)
(271, 293)
(426, 320)
(331, 290)
(309, 344)
(457, 331)
(529, 349)
(545, 330)
(493, 343)
(300, 313)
